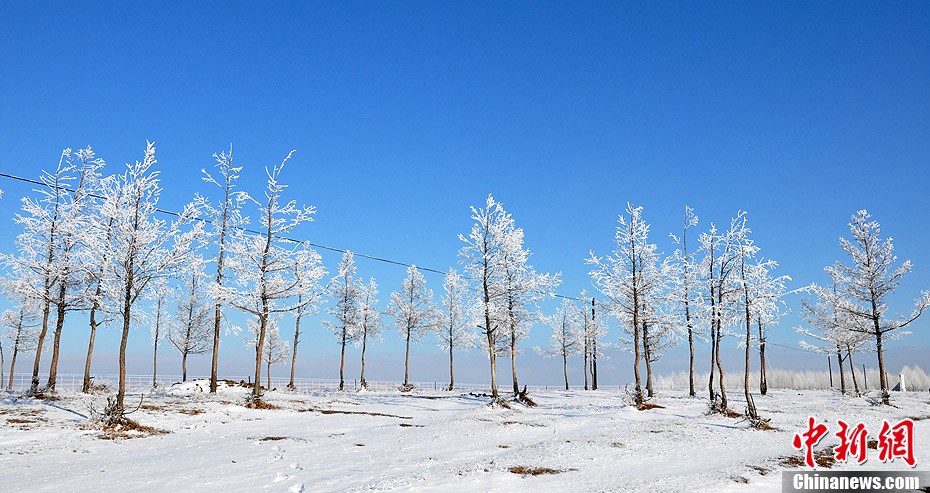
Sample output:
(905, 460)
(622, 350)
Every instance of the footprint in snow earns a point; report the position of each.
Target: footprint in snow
(296, 466)
(281, 477)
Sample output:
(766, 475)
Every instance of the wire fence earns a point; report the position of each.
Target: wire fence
(73, 382)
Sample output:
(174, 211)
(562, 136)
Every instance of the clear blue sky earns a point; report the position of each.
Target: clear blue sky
(404, 114)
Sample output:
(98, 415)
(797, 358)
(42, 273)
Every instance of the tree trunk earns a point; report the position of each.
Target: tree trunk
(217, 317)
(121, 393)
(750, 406)
(565, 368)
(723, 391)
(342, 361)
(407, 359)
(852, 368)
(451, 371)
(586, 351)
(90, 350)
(647, 356)
(763, 381)
(839, 358)
(268, 374)
(513, 357)
(886, 397)
(290, 384)
(13, 362)
(56, 344)
(184, 366)
(363, 384)
(35, 367)
(594, 363)
(713, 348)
(259, 352)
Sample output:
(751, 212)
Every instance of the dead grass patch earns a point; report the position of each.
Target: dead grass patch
(761, 470)
(739, 479)
(260, 404)
(126, 428)
(823, 458)
(333, 411)
(272, 439)
(536, 471)
(151, 407)
(19, 421)
(731, 414)
(408, 425)
(920, 418)
(191, 412)
(648, 405)
(503, 446)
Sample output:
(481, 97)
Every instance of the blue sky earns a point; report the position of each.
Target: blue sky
(404, 114)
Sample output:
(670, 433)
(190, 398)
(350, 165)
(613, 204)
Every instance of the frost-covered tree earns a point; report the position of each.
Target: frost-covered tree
(453, 330)
(746, 253)
(98, 272)
(223, 218)
(864, 285)
(20, 329)
(830, 326)
(628, 278)
(72, 237)
(719, 267)
(566, 337)
(191, 327)
(481, 256)
(37, 245)
(345, 290)
(685, 286)
(413, 312)
(592, 331)
(369, 321)
(161, 293)
(522, 287)
(273, 275)
(768, 306)
(276, 349)
(143, 247)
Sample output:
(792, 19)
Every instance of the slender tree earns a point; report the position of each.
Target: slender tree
(627, 278)
(522, 287)
(272, 275)
(190, 328)
(344, 289)
(276, 349)
(413, 312)
(20, 329)
(162, 292)
(369, 321)
(224, 217)
(863, 287)
(686, 288)
(481, 257)
(143, 246)
(454, 329)
(567, 335)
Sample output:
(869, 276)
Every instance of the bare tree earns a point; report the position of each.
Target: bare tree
(413, 312)
(566, 335)
(190, 328)
(273, 276)
(627, 278)
(481, 257)
(276, 349)
(143, 247)
(522, 287)
(369, 321)
(19, 328)
(162, 292)
(686, 288)
(454, 328)
(863, 286)
(223, 218)
(345, 290)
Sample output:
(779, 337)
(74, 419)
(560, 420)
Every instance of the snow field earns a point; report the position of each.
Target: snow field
(424, 441)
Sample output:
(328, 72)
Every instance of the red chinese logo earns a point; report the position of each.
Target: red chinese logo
(894, 441)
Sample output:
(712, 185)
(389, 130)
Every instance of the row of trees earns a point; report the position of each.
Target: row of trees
(100, 245)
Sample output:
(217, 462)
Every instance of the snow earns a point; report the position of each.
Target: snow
(339, 441)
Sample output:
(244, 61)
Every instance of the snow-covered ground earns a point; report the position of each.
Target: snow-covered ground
(427, 441)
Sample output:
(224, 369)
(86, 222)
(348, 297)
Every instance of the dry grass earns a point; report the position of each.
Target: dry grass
(191, 412)
(536, 471)
(408, 425)
(534, 425)
(647, 406)
(126, 428)
(272, 439)
(260, 404)
(823, 458)
(19, 421)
